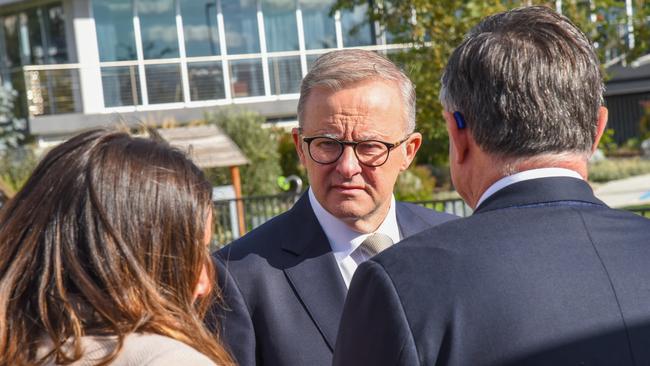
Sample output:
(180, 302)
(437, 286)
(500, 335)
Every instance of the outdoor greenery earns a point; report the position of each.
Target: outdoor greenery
(612, 169)
(16, 161)
(436, 27)
(259, 144)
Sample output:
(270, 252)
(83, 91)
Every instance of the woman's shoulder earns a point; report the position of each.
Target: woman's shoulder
(146, 349)
(157, 350)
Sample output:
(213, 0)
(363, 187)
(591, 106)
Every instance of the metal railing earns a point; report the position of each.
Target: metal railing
(258, 210)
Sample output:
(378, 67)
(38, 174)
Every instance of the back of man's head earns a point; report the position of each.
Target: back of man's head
(528, 83)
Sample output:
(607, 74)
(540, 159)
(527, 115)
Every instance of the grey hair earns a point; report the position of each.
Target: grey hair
(528, 83)
(337, 69)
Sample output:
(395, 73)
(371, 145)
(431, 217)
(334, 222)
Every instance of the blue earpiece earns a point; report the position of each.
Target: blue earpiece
(460, 120)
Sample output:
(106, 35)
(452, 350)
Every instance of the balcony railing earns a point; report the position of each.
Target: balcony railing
(52, 89)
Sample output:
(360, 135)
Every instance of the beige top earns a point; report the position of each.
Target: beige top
(139, 349)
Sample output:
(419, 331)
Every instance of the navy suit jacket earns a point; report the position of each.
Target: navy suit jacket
(283, 290)
(542, 273)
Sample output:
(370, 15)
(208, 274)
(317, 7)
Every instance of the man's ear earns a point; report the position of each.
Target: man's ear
(411, 147)
(458, 138)
(297, 141)
(600, 128)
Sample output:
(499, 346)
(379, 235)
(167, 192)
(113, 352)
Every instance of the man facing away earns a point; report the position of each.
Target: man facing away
(542, 273)
(285, 282)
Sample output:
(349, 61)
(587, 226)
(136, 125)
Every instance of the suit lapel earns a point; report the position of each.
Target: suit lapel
(314, 274)
(409, 223)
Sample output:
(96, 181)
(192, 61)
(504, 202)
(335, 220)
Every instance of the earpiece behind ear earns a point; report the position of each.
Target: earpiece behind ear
(460, 120)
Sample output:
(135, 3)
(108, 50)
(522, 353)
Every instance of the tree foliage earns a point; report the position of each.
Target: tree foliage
(12, 129)
(260, 146)
(434, 28)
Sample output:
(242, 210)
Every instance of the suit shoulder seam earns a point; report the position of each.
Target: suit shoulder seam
(611, 284)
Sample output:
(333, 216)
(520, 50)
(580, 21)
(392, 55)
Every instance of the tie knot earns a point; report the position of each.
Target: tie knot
(375, 243)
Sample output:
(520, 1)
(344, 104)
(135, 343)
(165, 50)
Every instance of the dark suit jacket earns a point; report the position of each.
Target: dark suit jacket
(543, 273)
(284, 290)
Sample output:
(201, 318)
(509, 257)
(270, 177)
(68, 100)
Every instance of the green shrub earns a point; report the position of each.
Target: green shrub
(415, 184)
(612, 169)
(289, 161)
(259, 144)
(16, 165)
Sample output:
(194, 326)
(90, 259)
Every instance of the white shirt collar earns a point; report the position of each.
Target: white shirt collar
(342, 238)
(526, 175)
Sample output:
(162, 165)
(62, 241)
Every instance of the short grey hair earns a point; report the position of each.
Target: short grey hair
(528, 83)
(337, 69)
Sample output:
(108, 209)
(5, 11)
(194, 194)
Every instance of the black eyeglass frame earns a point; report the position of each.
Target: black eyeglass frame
(389, 146)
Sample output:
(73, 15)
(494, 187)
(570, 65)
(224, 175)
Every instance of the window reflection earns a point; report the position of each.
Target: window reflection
(121, 86)
(246, 78)
(115, 35)
(200, 27)
(164, 83)
(285, 75)
(280, 25)
(158, 28)
(310, 61)
(206, 80)
(355, 27)
(240, 22)
(34, 36)
(319, 28)
(12, 40)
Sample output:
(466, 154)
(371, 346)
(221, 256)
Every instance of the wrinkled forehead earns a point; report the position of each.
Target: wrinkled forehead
(375, 106)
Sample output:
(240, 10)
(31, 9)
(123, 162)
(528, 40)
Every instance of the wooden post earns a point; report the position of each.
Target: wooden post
(236, 183)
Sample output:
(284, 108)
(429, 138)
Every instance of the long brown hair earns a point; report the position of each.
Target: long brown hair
(106, 237)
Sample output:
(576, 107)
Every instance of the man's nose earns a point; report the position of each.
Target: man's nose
(348, 165)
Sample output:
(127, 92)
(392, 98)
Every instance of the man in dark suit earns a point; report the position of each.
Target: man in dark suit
(285, 282)
(542, 273)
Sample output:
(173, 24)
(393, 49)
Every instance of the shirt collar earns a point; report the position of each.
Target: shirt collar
(526, 175)
(342, 238)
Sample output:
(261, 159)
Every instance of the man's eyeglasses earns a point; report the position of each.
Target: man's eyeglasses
(327, 150)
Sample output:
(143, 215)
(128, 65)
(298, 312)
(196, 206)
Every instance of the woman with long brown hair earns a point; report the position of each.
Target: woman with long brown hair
(104, 258)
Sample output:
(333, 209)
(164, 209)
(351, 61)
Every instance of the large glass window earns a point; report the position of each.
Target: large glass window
(55, 24)
(200, 27)
(121, 86)
(355, 27)
(280, 25)
(285, 75)
(35, 36)
(206, 80)
(240, 21)
(164, 83)
(246, 78)
(12, 40)
(319, 28)
(158, 28)
(114, 24)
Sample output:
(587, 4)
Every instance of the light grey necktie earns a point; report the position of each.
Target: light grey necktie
(374, 244)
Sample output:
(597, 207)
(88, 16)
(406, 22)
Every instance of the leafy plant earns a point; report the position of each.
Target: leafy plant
(613, 169)
(415, 184)
(12, 129)
(259, 144)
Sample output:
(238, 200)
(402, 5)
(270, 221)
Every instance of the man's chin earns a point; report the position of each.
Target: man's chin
(350, 209)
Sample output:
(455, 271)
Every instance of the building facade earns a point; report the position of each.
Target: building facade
(84, 63)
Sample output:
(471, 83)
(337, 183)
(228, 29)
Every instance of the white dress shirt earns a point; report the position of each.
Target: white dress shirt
(526, 175)
(344, 241)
